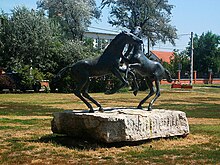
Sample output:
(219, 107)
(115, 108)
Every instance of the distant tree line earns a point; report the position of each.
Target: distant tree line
(206, 52)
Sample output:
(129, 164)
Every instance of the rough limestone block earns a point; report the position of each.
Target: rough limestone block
(120, 124)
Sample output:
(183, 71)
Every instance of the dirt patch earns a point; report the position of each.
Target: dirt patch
(206, 121)
(182, 142)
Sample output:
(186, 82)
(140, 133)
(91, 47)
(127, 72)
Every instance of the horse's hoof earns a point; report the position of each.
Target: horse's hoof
(135, 92)
(91, 111)
(149, 109)
(101, 109)
(139, 107)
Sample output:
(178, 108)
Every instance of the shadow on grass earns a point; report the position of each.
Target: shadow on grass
(199, 110)
(213, 86)
(24, 109)
(88, 144)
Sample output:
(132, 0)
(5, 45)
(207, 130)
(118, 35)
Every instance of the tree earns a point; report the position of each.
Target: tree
(180, 61)
(206, 53)
(74, 15)
(153, 16)
(4, 26)
(27, 38)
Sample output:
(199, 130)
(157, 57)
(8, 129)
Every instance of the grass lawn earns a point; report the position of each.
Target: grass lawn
(26, 137)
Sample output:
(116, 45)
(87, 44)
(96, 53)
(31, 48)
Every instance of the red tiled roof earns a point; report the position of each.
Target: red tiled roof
(164, 56)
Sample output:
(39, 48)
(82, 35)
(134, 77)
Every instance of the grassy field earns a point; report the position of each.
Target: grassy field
(26, 138)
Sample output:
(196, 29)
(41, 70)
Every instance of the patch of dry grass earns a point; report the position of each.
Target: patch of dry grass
(206, 121)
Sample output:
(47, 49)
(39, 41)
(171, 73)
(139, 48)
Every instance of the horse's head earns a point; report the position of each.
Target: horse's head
(130, 38)
(136, 31)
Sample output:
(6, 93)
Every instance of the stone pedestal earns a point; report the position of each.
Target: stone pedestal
(121, 124)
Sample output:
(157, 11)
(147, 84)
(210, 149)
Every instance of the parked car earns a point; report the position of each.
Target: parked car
(13, 82)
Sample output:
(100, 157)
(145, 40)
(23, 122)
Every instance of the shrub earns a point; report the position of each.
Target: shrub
(6, 82)
(28, 78)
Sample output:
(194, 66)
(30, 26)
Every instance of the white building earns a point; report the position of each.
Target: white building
(100, 39)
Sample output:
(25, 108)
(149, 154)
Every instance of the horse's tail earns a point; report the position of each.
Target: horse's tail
(62, 71)
(168, 76)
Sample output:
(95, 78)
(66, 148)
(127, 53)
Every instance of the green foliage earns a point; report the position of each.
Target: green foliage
(28, 37)
(152, 16)
(207, 53)
(73, 15)
(206, 57)
(99, 84)
(181, 62)
(28, 77)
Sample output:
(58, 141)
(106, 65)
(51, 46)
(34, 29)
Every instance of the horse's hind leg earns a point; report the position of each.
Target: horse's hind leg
(157, 83)
(77, 92)
(86, 95)
(151, 87)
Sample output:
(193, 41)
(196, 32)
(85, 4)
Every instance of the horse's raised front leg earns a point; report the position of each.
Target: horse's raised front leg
(151, 87)
(86, 95)
(128, 71)
(135, 66)
(118, 75)
(157, 83)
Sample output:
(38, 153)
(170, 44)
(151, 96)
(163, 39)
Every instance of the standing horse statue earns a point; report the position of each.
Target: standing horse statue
(107, 63)
(150, 70)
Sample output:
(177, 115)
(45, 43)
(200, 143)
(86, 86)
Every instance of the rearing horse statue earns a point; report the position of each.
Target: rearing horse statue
(150, 70)
(107, 63)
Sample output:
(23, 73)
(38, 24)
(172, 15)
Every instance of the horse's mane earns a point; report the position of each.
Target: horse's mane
(113, 42)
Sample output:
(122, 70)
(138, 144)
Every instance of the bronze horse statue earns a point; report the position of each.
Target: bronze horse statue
(107, 63)
(149, 69)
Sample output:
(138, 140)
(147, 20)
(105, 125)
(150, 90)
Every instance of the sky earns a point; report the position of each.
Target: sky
(197, 16)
